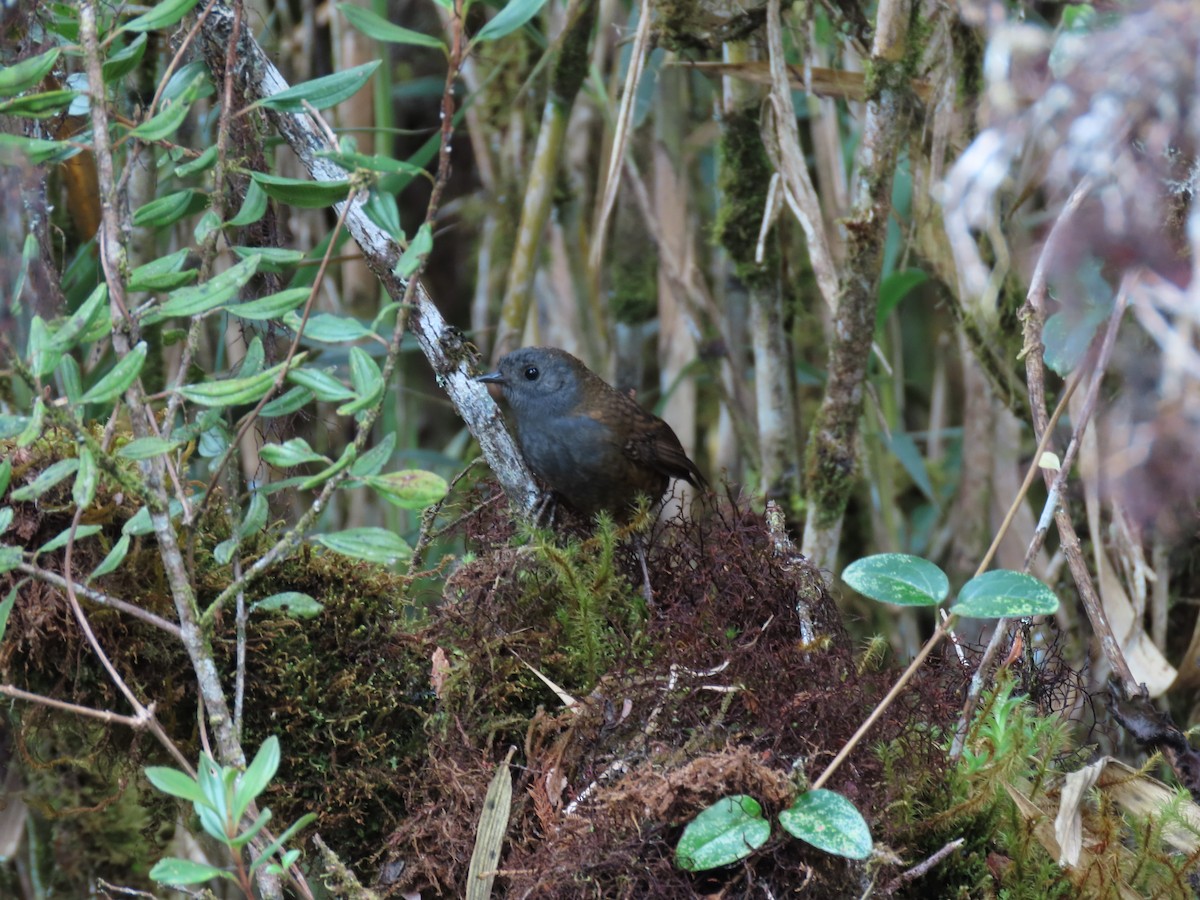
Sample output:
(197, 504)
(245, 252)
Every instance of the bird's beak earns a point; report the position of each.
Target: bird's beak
(491, 378)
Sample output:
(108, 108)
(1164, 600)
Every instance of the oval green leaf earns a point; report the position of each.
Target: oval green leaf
(115, 557)
(294, 452)
(163, 274)
(119, 377)
(370, 543)
(301, 193)
(271, 306)
(327, 328)
(27, 73)
(293, 603)
(409, 488)
(898, 578)
(195, 301)
(515, 14)
(829, 822)
(161, 15)
(323, 92)
(46, 479)
(729, 830)
(375, 26)
(169, 209)
(60, 540)
(1003, 593)
(147, 448)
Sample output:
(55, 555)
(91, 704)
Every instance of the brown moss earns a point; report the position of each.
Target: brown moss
(711, 694)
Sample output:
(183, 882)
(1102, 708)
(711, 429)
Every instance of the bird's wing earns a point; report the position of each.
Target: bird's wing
(658, 447)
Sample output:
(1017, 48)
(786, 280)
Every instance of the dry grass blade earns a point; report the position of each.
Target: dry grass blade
(489, 837)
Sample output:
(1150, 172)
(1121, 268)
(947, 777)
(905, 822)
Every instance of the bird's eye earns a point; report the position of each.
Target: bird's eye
(531, 373)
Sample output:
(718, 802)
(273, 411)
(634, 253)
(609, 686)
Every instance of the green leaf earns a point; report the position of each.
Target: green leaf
(27, 73)
(325, 386)
(6, 517)
(515, 14)
(894, 288)
(409, 488)
(414, 255)
(161, 15)
(39, 106)
(829, 822)
(37, 422)
(904, 448)
(294, 603)
(119, 377)
(295, 399)
(321, 93)
(274, 846)
(379, 28)
(29, 252)
(163, 274)
(235, 391)
(898, 578)
(729, 830)
(93, 308)
(16, 148)
(301, 193)
(1003, 593)
(60, 540)
(83, 492)
(7, 605)
(184, 871)
(11, 426)
(274, 259)
(148, 447)
(294, 452)
(256, 515)
(202, 298)
(204, 161)
(257, 775)
(5, 475)
(374, 459)
(176, 783)
(165, 122)
(367, 381)
(326, 328)
(124, 61)
(318, 479)
(115, 557)
(1067, 336)
(10, 558)
(43, 357)
(47, 479)
(168, 210)
(351, 161)
(377, 545)
(254, 359)
(271, 306)
(253, 206)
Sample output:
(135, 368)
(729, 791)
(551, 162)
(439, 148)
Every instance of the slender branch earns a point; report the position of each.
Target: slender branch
(102, 598)
(447, 351)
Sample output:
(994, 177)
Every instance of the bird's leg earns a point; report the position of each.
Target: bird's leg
(546, 509)
(640, 548)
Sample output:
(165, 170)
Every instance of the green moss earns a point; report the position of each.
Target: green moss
(571, 66)
(745, 176)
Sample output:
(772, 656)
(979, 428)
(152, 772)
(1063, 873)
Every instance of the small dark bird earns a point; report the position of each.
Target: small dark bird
(592, 445)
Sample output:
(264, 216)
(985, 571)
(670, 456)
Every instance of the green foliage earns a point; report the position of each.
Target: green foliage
(221, 796)
(734, 827)
(729, 830)
(598, 608)
(907, 580)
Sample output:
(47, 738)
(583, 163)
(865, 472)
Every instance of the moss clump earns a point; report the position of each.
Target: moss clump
(745, 175)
